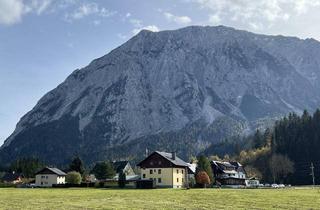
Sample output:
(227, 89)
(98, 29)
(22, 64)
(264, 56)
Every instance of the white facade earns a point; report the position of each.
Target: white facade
(47, 180)
(233, 174)
(252, 183)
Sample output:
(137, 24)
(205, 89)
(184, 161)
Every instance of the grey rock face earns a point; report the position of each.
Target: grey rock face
(153, 89)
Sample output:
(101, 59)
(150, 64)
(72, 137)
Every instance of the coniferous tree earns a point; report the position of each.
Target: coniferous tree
(204, 165)
(122, 180)
(27, 166)
(103, 170)
(77, 165)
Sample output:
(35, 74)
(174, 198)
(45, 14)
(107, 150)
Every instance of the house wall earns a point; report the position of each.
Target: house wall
(47, 180)
(128, 170)
(170, 177)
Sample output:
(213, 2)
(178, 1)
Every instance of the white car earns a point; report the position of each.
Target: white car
(282, 186)
(275, 186)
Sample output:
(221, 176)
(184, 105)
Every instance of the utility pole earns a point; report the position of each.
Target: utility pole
(312, 174)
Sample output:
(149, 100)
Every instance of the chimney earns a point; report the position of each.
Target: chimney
(173, 155)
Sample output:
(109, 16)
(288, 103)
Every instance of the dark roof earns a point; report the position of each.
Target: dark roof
(53, 170)
(229, 166)
(119, 165)
(10, 177)
(177, 161)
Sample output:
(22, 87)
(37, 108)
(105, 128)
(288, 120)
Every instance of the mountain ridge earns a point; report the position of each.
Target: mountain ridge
(159, 84)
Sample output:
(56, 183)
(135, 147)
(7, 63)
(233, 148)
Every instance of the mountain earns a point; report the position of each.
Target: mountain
(176, 90)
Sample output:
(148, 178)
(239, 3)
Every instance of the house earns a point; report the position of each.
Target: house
(228, 173)
(50, 176)
(165, 169)
(124, 167)
(13, 178)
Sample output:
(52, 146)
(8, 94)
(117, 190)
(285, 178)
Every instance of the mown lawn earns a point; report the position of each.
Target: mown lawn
(295, 198)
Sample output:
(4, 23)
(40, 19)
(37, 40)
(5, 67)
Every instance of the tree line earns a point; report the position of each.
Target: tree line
(283, 153)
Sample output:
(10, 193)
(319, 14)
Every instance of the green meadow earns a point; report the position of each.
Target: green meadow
(77, 198)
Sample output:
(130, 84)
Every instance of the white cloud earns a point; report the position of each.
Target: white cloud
(39, 6)
(84, 10)
(106, 13)
(263, 11)
(87, 9)
(214, 19)
(11, 11)
(177, 19)
(152, 28)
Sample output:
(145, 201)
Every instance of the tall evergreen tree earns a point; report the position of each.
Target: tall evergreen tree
(77, 165)
(204, 165)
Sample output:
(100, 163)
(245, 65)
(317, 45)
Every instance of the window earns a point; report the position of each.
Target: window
(144, 176)
(41, 183)
(177, 171)
(159, 171)
(46, 177)
(159, 180)
(182, 180)
(151, 171)
(151, 163)
(182, 171)
(177, 179)
(159, 163)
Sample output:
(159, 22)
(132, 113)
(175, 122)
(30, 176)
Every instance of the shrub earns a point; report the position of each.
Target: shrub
(73, 177)
(202, 179)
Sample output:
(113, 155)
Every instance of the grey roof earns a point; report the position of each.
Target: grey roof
(54, 170)
(177, 161)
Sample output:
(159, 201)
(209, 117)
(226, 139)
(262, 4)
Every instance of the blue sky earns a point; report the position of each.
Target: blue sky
(43, 41)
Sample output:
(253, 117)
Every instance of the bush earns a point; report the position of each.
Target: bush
(103, 170)
(202, 179)
(73, 177)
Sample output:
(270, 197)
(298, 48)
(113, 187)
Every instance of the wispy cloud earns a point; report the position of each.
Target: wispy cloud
(12, 11)
(177, 19)
(214, 19)
(87, 9)
(251, 12)
(39, 6)
(152, 28)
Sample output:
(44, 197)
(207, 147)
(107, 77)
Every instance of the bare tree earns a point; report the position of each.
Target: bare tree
(281, 166)
(253, 172)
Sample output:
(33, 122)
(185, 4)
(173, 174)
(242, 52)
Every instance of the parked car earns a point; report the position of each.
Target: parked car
(275, 186)
(282, 186)
(261, 185)
(267, 185)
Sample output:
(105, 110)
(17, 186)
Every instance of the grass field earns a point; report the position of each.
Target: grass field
(295, 198)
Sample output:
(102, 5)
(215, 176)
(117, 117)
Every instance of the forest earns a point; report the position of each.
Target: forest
(283, 153)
